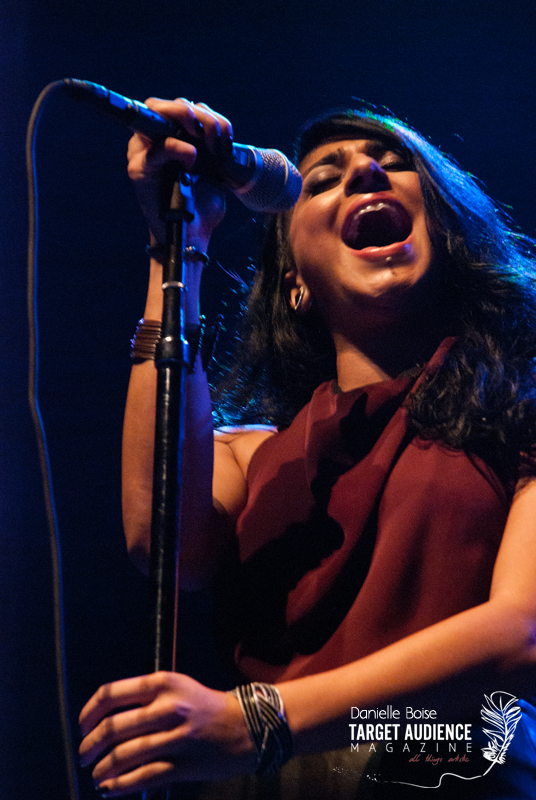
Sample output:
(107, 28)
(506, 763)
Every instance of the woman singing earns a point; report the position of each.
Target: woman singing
(369, 523)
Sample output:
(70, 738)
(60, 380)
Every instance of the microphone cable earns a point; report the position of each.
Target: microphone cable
(46, 475)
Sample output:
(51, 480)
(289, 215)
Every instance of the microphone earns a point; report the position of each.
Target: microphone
(264, 180)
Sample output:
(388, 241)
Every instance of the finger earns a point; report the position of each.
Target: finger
(145, 778)
(180, 111)
(199, 121)
(161, 715)
(121, 694)
(224, 123)
(146, 158)
(218, 131)
(131, 755)
(171, 149)
(114, 730)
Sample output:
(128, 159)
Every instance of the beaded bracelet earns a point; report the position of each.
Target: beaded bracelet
(264, 713)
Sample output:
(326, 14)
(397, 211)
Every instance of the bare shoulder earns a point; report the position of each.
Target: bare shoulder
(243, 441)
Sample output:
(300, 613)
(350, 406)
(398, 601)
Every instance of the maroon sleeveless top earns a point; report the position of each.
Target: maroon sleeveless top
(357, 533)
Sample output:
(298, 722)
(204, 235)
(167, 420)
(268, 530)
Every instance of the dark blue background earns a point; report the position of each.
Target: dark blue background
(462, 72)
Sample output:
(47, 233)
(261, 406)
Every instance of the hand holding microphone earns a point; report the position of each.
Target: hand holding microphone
(201, 142)
(147, 159)
(264, 180)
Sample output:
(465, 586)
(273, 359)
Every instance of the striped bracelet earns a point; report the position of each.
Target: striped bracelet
(267, 725)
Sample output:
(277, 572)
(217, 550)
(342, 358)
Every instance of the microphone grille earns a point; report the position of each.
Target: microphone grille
(275, 186)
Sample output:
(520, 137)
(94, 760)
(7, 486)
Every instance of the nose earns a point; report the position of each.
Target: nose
(365, 176)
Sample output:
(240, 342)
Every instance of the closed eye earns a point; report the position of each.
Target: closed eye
(316, 186)
(395, 162)
(397, 167)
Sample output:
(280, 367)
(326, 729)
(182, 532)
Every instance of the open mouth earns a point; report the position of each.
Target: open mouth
(376, 224)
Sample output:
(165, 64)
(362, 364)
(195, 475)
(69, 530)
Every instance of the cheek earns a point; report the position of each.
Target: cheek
(299, 238)
(298, 224)
(414, 193)
(308, 231)
(309, 254)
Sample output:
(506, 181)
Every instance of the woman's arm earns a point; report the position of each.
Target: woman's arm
(179, 722)
(205, 526)
(459, 655)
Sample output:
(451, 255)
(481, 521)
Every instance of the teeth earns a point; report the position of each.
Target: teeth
(371, 207)
(377, 225)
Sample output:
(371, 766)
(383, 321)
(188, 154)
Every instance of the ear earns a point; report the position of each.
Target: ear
(299, 296)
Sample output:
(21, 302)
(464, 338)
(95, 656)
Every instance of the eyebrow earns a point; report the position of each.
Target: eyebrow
(373, 147)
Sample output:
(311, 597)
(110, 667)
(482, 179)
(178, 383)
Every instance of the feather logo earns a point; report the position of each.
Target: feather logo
(502, 716)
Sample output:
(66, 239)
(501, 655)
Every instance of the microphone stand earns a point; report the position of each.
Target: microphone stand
(172, 358)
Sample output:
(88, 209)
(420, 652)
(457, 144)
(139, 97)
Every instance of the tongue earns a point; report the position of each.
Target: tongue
(377, 225)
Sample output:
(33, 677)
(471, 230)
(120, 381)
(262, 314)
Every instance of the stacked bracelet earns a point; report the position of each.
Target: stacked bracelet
(148, 334)
(267, 725)
(143, 344)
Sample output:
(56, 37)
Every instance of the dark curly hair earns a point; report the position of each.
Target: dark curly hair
(484, 393)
